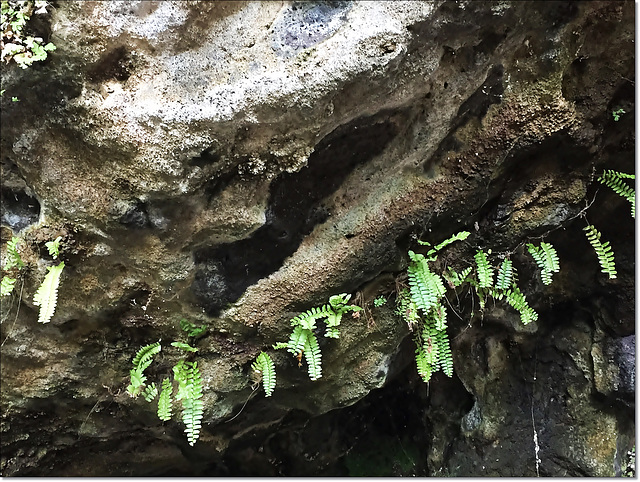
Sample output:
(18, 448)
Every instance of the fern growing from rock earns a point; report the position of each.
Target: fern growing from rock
(303, 341)
(546, 258)
(186, 375)
(615, 181)
(603, 251)
(47, 295)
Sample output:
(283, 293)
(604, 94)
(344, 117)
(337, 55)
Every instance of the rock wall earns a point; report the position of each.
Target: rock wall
(236, 163)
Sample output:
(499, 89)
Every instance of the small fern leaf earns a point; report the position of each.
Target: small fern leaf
(298, 340)
(313, 356)
(425, 369)
(613, 180)
(603, 251)
(6, 285)
(438, 315)
(164, 401)
(505, 275)
(47, 295)
(192, 330)
(137, 382)
(454, 278)
(184, 346)
(54, 247)
(145, 355)
(13, 257)
(426, 288)
(265, 366)
(192, 411)
(518, 301)
(150, 392)
(547, 260)
(485, 272)
(445, 358)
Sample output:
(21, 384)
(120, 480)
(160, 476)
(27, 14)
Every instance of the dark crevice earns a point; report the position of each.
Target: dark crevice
(18, 209)
(295, 208)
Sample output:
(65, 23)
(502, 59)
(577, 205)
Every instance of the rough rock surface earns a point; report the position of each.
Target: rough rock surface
(236, 163)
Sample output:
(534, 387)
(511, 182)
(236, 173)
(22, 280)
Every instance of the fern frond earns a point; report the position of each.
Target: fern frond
(189, 392)
(13, 257)
(461, 236)
(6, 285)
(485, 272)
(547, 260)
(280, 345)
(337, 307)
(454, 278)
(192, 330)
(425, 368)
(613, 180)
(307, 320)
(138, 380)
(265, 366)
(603, 251)
(54, 247)
(146, 354)
(297, 340)
(438, 316)
(426, 288)
(150, 392)
(165, 402)
(445, 358)
(183, 346)
(313, 356)
(505, 275)
(518, 301)
(406, 308)
(192, 411)
(47, 295)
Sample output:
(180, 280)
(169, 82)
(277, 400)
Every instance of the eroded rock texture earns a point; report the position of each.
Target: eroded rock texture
(236, 163)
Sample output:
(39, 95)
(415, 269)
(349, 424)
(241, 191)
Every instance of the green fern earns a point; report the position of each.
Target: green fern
(192, 330)
(461, 236)
(6, 285)
(505, 276)
(144, 356)
(184, 346)
(264, 365)
(313, 357)
(337, 308)
(518, 301)
(445, 357)
(13, 257)
(54, 247)
(485, 272)
(547, 260)
(456, 279)
(614, 180)
(603, 251)
(47, 295)
(150, 392)
(426, 288)
(138, 380)
(189, 393)
(165, 401)
(307, 320)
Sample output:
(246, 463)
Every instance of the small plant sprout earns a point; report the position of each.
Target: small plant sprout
(54, 247)
(617, 114)
(379, 301)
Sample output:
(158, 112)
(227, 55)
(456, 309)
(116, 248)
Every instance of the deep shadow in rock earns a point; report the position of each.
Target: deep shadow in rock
(295, 208)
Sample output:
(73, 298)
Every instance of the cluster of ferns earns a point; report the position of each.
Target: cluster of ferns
(186, 387)
(421, 305)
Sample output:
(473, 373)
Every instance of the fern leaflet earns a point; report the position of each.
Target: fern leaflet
(165, 402)
(445, 358)
(184, 346)
(47, 295)
(505, 275)
(546, 258)
(454, 278)
(425, 368)
(146, 354)
(461, 236)
(519, 302)
(54, 247)
(13, 257)
(613, 179)
(189, 393)
(485, 272)
(265, 366)
(313, 356)
(137, 382)
(192, 330)
(150, 392)
(426, 287)
(603, 251)
(6, 285)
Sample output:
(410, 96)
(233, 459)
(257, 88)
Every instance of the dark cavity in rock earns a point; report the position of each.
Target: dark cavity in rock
(295, 207)
(18, 209)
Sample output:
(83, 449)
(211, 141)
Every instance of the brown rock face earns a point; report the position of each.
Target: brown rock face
(237, 163)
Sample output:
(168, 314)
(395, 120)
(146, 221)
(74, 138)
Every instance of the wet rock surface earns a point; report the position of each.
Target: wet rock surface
(237, 163)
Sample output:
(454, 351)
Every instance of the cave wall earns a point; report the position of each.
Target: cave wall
(236, 163)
